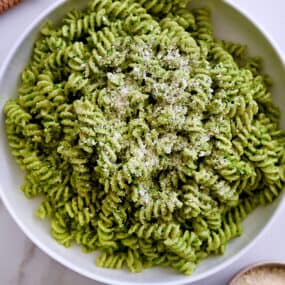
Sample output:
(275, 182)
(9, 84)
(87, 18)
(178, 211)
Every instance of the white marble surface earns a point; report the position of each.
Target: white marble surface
(21, 263)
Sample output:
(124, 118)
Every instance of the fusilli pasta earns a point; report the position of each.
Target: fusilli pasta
(148, 138)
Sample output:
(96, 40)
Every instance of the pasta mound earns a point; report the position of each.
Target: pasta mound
(147, 138)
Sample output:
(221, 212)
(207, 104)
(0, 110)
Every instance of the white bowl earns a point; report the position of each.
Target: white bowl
(265, 264)
(229, 24)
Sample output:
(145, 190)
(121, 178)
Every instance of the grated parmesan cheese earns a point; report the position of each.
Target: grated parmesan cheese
(144, 195)
(263, 276)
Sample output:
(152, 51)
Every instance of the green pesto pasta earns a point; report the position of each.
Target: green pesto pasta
(148, 139)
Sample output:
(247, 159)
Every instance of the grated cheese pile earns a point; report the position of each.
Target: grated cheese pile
(263, 276)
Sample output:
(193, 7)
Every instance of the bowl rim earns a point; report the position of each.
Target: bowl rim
(261, 264)
(93, 276)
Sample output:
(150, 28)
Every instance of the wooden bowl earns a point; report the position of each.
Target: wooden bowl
(7, 4)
